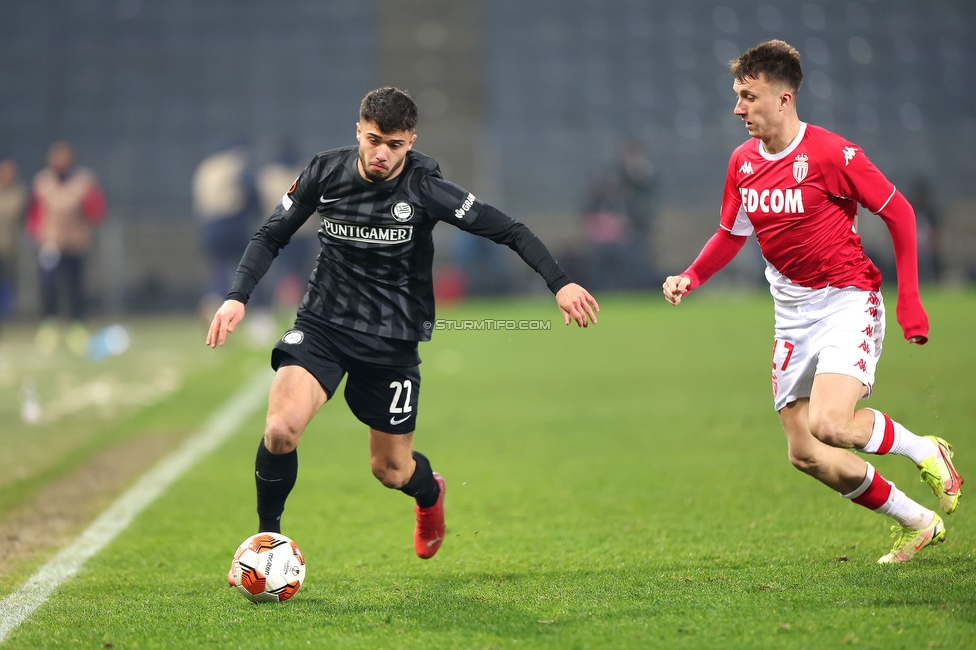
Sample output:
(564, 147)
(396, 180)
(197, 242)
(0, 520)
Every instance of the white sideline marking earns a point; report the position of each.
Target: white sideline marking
(226, 420)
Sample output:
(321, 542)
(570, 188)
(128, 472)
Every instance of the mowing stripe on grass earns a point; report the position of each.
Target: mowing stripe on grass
(20, 604)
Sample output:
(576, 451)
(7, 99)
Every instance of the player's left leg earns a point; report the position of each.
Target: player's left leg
(387, 399)
(834, 421)
(397, 466)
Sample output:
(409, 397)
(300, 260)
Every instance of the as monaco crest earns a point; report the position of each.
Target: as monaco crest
(801, 167)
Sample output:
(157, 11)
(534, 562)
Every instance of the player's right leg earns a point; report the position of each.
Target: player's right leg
(296, 396)
(931, 454)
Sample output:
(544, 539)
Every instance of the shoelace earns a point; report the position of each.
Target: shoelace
(901, 537)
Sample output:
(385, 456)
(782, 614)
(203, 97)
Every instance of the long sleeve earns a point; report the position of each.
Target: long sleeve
(717, 252)
(899, 217)
(502, 229)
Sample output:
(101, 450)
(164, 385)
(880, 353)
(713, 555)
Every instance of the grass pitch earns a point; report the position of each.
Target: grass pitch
(622, 486)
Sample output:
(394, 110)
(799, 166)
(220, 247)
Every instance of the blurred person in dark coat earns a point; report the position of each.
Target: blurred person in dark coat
(67, 204)
(296, 261)
(619, 219)
(225, 202)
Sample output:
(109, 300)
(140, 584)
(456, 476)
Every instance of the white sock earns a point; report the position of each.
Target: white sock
(905, 511)
(915, 447)
(901, 441)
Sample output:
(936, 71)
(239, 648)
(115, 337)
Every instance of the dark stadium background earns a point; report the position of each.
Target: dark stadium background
(522, 102)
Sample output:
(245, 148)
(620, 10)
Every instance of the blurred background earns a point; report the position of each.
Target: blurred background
(605, 125)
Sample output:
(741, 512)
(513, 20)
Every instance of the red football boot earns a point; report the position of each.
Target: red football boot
(429, 533)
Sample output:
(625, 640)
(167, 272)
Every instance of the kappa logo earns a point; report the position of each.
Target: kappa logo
(746, 168)
(293, 337)
(801, 167)
(849, 153)
(402, 211)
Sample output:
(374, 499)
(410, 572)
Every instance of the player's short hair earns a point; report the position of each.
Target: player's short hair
(389, 108)
(776, 60)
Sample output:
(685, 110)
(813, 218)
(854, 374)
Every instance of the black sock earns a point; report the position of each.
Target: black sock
(274, 476)
(422, 485)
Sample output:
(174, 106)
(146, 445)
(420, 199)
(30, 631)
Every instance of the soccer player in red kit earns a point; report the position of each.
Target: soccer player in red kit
(796, 187)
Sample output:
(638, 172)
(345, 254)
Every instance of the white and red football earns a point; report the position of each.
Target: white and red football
(268, 567)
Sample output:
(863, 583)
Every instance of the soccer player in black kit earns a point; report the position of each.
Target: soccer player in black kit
(370, 300)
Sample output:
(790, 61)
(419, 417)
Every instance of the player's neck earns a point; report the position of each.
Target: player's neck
(783, 137)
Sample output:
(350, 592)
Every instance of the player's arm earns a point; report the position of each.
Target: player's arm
(289, 215)
(899, 217)
(718, 251)
(723, 246)
(868, 186)
(448, 202)
(575, 302)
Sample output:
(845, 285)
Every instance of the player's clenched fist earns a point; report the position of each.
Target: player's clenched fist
(675, 286)
(224, 322)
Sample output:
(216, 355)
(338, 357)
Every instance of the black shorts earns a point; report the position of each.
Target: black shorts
(384, 398)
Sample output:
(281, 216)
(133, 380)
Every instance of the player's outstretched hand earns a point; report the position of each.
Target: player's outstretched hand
(675, 286)
(577, 304)
(224, 322)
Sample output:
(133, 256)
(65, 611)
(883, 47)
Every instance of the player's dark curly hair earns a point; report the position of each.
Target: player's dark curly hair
(776, 60)
(389, 108)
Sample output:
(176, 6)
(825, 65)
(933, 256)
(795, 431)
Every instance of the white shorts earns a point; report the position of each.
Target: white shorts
(839, 333)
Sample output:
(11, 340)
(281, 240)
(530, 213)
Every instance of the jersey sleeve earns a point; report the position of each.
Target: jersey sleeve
(458, 207)
(448, 202)
(855, 176)
(733, 218)
(294, 209)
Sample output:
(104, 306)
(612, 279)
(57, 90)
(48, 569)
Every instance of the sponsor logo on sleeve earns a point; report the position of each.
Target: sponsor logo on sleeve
(849, 153)
(463, 210)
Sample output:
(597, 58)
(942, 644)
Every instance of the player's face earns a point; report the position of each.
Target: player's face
(381, 154)
(762, 106)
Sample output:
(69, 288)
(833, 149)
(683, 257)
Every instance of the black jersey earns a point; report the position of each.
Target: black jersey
(373, 273)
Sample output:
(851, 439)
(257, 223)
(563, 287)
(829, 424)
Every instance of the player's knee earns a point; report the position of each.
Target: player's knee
(389, 474)
(828, 428)
(281, 435)
(804, 461)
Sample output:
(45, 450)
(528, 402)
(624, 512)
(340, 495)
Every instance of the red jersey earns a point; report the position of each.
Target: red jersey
(801, 204)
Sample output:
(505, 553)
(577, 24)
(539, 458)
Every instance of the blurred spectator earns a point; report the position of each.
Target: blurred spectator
(296, 260)
(618, 221)
(225, 202)
(928, 224)
(13, 200)
(66, 205)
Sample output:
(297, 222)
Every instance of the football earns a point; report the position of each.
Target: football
(268, 567)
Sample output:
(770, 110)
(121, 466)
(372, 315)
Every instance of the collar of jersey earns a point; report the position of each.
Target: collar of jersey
(785, 152)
